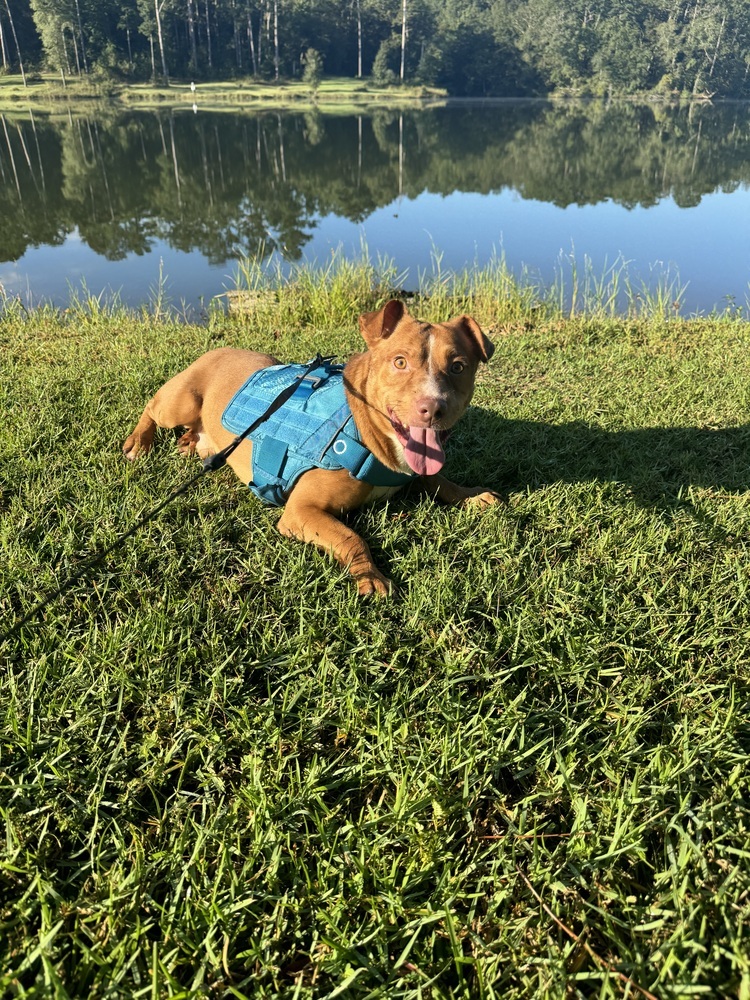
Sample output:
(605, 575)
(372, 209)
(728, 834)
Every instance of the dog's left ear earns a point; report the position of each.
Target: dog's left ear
(375, 326)
(484, 346)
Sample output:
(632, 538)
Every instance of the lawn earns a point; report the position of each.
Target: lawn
(45, 91)
(222, 774)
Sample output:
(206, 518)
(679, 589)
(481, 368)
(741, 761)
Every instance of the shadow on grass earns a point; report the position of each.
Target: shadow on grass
(656, 463)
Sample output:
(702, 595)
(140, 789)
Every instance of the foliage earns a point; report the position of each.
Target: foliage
(472, 47)
(384, 65)
(313, 71)
(223, 775)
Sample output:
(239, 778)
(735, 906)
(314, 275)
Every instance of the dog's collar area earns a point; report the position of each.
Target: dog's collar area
(313, 429)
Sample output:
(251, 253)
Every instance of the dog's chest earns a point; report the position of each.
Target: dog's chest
(380, 493)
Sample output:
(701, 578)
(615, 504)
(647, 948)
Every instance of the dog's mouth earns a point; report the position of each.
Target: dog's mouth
(423, 446)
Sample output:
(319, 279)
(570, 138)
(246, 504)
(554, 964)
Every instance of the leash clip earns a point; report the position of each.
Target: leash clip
(214, 462)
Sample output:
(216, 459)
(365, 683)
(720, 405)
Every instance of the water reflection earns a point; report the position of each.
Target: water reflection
(230, 184)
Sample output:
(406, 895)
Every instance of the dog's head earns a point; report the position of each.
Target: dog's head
(420, 379)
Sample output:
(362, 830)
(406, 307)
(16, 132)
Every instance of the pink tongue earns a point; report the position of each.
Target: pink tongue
(424, 452)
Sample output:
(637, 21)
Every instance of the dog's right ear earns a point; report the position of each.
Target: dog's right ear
(376, 326)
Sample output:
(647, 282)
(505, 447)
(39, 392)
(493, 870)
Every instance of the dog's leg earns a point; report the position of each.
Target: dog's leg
(310, 524)
(309, 516)
(176, 404)
(458, 496)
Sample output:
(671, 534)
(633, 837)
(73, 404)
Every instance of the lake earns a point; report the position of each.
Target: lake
(124, 202)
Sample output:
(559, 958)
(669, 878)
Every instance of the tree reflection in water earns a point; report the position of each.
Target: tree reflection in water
(228, 184)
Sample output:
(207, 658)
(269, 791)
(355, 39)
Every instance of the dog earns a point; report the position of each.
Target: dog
(400, 398)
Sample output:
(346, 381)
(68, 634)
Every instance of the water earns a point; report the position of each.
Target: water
(130, 203)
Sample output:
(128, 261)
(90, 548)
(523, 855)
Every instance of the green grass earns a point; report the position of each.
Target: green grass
(46, 91)
(224, 775)
(340, 94)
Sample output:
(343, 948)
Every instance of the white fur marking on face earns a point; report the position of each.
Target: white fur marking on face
(431, 386)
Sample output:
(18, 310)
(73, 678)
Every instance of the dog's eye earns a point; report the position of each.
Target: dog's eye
(457, 367)
(399, 362)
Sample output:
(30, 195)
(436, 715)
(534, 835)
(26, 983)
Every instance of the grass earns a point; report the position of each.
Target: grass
(46, 91)
(341, 94)
(526, 775)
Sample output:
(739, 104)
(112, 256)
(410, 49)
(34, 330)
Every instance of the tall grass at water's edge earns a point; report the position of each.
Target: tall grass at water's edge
(338, 289)
(526, 775)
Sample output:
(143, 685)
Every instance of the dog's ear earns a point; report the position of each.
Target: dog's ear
(484, 346)
(375, 326)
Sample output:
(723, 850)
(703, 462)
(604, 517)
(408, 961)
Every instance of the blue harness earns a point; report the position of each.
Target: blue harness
(313, 429)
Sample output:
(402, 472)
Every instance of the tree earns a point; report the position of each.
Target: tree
(191, 35)
(554, 38)
(275, 39)
(52, 19)
(15, 39)
(403, 39)
(358, 8)
(468, 46)
(152, 13)
(251, 40)
(623, 59)
(382, 72)
(3, 52)
(313, 67)
(158, 8)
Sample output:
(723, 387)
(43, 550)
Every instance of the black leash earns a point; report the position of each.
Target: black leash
(210, 464)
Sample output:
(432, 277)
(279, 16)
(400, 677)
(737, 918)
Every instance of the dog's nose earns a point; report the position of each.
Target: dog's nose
(429, 408)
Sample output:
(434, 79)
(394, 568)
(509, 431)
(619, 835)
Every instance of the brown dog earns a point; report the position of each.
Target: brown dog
(410, 386)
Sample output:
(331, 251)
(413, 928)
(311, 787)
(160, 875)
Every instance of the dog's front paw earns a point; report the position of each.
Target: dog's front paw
(481, 498)
(186, 443)
(373, 582)
(134, 446)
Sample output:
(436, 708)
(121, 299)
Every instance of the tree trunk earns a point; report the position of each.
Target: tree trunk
(75, 50)
(65, 53)
(282, 157)
(12, 158)
(403, 38)
(208, 37)
(276, 39)
(359, 41)
(252, 43)
(400, 155)
(260, 34)
(175, 164)
(15, 39)
(718, 43)
(235, 30)
(38, 151)
(159, 35)
(83, 43)
(2, 45)
(359, 151)
(191, 34)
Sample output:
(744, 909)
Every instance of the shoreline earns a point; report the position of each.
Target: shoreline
(45, 93)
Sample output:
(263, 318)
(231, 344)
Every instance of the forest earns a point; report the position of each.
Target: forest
(479, 48)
